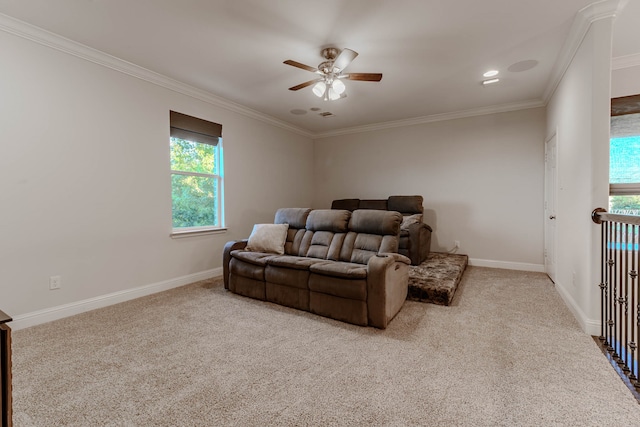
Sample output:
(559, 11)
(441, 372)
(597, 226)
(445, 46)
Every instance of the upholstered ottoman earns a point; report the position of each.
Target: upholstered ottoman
(437, 278)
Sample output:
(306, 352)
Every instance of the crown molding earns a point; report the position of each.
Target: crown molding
(502, 108)
(46, 38)
(586, 16)
(626, 61)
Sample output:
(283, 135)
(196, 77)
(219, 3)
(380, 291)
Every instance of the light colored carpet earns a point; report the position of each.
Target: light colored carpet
(507, 352)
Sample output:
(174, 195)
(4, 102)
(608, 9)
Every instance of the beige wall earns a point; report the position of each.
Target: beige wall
(481, 178)
(625, 82)
(579, 113)
(85, 183)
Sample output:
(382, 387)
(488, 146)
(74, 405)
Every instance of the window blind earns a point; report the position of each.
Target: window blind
(194, 129)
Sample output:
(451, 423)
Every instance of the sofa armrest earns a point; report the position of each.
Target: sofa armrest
(387, 285)
(226, 257)
(420, 242)
(425, 243)
(395, 256)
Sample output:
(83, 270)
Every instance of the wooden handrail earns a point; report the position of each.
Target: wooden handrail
(600, 215)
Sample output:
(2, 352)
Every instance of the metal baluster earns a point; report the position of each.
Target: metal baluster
(635, 305)
(611, 269)
(616, 269)
(618, 300)
(633, 274)
(637, 363)
(623, 301)
(603, 282)
(616, 296)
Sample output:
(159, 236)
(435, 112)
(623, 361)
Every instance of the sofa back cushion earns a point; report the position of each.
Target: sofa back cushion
(335, 220)
(406, 205)
(326, 230)
(297, 220)
(379, 204)
(370, 232)
(370, 221)
(345, 204)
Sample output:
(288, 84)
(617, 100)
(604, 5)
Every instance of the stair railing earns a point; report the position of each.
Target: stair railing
(619, 289)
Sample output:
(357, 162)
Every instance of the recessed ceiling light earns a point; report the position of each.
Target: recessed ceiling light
(491, 73)
(490, 81)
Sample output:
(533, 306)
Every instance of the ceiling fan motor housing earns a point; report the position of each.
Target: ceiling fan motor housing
(326, 67)
(330, 53)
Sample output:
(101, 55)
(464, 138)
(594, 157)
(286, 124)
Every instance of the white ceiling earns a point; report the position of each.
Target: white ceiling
(432, 52)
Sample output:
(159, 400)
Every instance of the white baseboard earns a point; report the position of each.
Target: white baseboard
(66, 310)
(589, 326)
(523, 266)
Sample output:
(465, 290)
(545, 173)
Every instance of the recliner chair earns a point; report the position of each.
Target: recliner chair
(415, 235)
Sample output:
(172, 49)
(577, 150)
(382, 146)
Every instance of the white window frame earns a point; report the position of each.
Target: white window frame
(178, 232)
(624, 122)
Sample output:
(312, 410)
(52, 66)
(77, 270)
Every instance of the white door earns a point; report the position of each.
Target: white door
(550, 189)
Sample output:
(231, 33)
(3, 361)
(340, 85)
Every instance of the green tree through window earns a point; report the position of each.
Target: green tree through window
(194, 184)
(624, 159)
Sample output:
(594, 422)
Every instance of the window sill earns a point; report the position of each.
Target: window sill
(179, 234)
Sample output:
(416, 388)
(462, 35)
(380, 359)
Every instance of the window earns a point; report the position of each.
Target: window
(197, 172)
(624, 155)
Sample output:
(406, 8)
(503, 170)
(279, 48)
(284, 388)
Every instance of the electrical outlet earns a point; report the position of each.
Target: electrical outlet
(456, 243)
(55, 282)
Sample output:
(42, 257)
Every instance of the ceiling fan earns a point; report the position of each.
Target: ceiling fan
(329, 85)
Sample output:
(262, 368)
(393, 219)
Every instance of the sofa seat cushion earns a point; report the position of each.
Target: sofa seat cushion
(404, 233)
(347, 270)
(294, 262)
(352, 289)
(287, 277)
(255, 258)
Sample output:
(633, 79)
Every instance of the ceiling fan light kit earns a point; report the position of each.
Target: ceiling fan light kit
(329, 90)
(319, 89)
(490, 81)
(329, 86)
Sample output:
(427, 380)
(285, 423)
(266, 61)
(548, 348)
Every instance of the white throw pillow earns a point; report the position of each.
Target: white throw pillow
(410, 219)
(268, 238)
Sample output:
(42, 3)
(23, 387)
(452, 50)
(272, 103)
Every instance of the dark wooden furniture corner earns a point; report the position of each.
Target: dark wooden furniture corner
(5, 370)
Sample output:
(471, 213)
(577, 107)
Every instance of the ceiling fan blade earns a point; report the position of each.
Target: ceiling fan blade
(344, 59)
(367, 77)
(299, 65)
(305, 84)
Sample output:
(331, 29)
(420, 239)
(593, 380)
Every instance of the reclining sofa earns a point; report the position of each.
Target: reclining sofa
(333, 263)
(415, 235)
